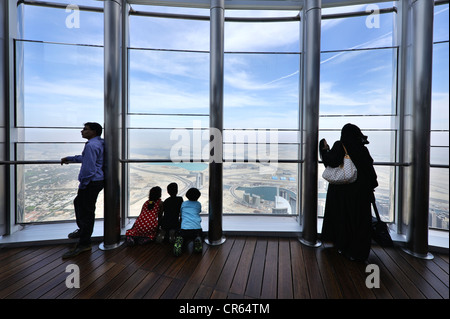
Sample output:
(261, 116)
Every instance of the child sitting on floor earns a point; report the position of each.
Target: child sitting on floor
(146, 225)
(170, 219)
(191, 228)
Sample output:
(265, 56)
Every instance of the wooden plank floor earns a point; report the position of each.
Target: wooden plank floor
(243, 267)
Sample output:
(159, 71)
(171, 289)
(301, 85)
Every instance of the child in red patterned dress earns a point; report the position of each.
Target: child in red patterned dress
(145, 227)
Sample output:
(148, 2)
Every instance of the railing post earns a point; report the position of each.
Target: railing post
(215, 235)
(310, 128)
(113, 106)
(419, 55)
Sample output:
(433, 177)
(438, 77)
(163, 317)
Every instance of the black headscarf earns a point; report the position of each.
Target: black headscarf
(351, 135)
(354, 141)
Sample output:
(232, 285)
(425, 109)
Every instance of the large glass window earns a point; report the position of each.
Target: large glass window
(169, 102)
(357, 82)
(439, 153)
(62, 84)
(358, 86)
(261, 113)
(69, 24)
(373, 30)
(165, 33)
(257, 86)
(168, 114)
(59, 87)
(168, 83)
(255, 36)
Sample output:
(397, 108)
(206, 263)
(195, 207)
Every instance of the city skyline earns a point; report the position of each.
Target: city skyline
(49, 190)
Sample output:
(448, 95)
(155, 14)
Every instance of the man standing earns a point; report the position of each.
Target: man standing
(91, 183)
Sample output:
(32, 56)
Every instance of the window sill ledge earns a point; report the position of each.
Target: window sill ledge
(245, 225)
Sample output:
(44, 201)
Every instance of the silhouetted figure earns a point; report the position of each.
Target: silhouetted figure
(191, 228)
(348, 216)
(170, 221)
(91, 183)
(145, 227)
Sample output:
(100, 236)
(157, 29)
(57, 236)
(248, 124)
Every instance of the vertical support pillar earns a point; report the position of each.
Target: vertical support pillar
(4, 110)
(14, 99)
(215, 235)
(124, 117)
(113, 106)
(312, 12)
(418, 92)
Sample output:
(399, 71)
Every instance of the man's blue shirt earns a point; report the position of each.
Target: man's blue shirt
(91, 162)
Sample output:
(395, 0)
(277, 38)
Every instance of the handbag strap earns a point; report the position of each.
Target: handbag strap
(345, 150)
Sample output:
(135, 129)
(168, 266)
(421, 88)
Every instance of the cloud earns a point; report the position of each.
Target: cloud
(245, 100)
(195, 35)
(248, 118)
(69, 88)
(331, 23)
(163, 63)
(440, 110)
(384, 40)
(261, 72)
(69, 102)
(260, 36)
(283, 77)
(164, 97)
(328, 96)
(445, 8)
(336, 101)
(243, 80)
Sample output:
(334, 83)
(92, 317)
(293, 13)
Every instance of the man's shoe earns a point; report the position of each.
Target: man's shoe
(76, 251)
(75, 234)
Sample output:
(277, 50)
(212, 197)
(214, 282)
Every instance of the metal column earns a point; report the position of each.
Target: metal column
(124, 119)
(4, 110)
(310, 128)
(215, 236)
(418, 92)
(14, 70)
(113, 105)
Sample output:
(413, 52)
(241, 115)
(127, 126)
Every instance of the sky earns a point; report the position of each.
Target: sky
(260, 88)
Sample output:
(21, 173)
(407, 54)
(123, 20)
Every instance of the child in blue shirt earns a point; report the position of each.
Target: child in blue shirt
(191, 228)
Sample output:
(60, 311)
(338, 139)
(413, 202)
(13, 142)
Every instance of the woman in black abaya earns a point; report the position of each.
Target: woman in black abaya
(348, 216)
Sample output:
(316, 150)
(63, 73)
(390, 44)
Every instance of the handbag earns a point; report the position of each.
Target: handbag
(380, 230)
(345, 173)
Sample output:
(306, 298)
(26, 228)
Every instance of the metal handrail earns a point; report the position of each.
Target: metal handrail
(135, 160)
(29, 162)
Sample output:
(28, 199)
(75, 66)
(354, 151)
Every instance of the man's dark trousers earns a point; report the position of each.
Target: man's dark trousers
(85, 210)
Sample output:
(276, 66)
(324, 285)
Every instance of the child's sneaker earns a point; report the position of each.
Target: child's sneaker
(198, 245)
(161, 235)
(177, 247)
(143, 240)
(130, 241)
(172, 236)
